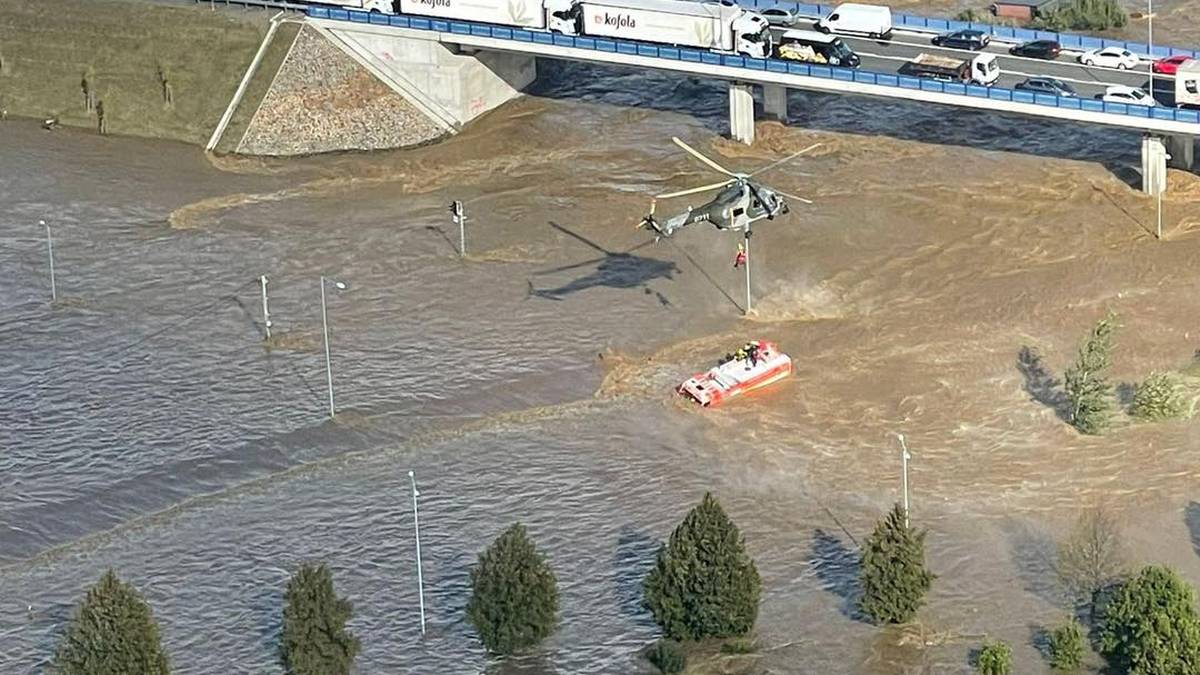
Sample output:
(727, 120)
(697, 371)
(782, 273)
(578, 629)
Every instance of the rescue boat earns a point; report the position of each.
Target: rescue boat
(756, 365)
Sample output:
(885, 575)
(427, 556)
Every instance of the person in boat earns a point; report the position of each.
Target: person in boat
(752, 353)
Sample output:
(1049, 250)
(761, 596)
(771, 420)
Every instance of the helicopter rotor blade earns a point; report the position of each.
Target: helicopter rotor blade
(695, 190)
(696, 153)
(799, 199)
(785, 160)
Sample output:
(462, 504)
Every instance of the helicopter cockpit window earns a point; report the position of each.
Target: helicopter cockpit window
(738, 211)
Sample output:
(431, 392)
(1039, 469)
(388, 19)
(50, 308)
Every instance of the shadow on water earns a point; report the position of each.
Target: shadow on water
(1039, 639)
(613, 269)
(1033, 553)
(449, 591)
(1191, 518)
(707, 102)
(632, 561)
(1040, 383)
(837, 567)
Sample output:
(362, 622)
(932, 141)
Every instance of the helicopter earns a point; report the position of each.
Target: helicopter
(740, 203)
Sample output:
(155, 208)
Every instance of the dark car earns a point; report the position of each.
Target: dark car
(963, 39)
(1038, 49)
(1047, 85)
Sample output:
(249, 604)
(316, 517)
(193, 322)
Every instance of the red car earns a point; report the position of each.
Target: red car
(1169, 65)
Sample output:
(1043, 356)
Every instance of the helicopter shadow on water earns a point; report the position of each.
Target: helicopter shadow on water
(613, 269)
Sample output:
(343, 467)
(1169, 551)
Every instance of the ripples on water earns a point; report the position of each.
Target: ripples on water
(149, 389)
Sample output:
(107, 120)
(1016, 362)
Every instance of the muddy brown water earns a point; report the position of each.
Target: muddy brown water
(144, 427)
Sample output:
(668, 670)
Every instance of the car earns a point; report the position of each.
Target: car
(1169, 65)
(1047, 85)
(1109, 57)
(1037, 49)
(1119, 93)
(963, 39)
(780, 16)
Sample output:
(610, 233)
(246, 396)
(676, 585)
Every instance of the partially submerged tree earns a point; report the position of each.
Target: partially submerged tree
(113, 632)
(1158, 397)
(703, 583)
(1092, 557)
(315, 639)
(1066, 646)
(1086, 382)
(995, 659)
(514, 594)
(894, 577)
(1151, 626)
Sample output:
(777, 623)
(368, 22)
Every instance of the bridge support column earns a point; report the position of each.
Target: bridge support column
(1182, 151)
(775, 102)
(1154, 164)
(741, 112)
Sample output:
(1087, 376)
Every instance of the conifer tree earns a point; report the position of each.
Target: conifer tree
(1151, 626)
(1066, 646)
(113, 632)
(1086, 382)
(514, 594)
(894, 578)
(703, 583)
(315, 639)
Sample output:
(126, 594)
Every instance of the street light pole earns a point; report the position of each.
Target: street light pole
(50, 251)
(325, 325)
(904, 457)
(262, 280)
(1150, 40)
(417, 529)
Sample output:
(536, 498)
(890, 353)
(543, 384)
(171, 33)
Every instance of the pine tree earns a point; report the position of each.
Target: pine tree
(514, 594)
(315, 639)
(1151, 626)
(1086, 383)
(703, 583)
(1157, 398)
(894, 578)
(113, 632)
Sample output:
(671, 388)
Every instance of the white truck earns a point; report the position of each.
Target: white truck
(981, 69)
(1187, 84)
(554, 15)
(873, 21)
(385, 6)
(719, 26)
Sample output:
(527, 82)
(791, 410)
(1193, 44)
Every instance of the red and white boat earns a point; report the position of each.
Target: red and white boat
(757, 364)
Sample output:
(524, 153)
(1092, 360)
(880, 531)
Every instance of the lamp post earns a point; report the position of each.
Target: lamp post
(1150, 41)
(50, 252)
(325, 325)
(904, 457)
(417, 529)
(262, 280)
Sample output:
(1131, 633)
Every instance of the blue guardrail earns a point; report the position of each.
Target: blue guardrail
(733, 61)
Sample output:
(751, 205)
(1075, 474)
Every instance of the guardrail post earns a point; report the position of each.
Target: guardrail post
(741, 113)
(775, 102)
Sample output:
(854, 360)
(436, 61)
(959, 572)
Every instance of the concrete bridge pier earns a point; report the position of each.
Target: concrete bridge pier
(1181, 150)
(1154, 164)
(775, 102)
(741, 112)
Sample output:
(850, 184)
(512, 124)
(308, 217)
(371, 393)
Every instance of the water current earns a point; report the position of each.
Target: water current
(145, 427)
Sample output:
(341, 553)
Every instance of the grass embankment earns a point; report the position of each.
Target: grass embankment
(260, 82)
(124, 50)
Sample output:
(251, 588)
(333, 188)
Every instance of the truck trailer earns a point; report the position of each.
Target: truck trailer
(719, 26)
(553, 15)
(981, 69)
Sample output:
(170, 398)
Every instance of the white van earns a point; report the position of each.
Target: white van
(874, 21)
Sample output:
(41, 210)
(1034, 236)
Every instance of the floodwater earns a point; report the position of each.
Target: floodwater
(144, 426)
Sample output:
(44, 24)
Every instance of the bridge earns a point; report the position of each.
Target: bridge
(1169, 133)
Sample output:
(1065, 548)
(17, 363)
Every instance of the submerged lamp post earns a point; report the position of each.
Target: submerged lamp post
(458, 214)
(904, 457)
(325, 325)
(262, 280)
(417, 529)
(50, 252)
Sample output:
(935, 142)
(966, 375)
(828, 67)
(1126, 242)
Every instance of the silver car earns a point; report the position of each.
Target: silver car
(780, 16)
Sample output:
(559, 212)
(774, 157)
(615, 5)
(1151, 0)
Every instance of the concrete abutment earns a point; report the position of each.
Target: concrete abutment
(741, 112)
(775, 102)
